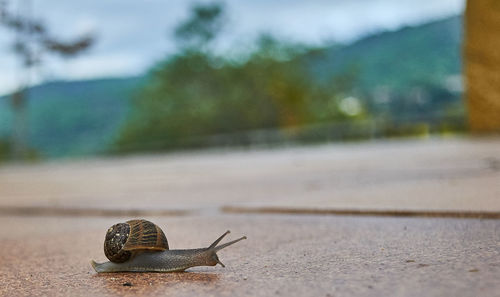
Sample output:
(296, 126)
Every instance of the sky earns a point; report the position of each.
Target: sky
(133, 35)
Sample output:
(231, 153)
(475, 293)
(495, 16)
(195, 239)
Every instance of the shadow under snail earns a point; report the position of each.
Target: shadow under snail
(141, 246)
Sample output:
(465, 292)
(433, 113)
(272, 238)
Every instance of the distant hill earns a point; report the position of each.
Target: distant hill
(74, 117)
(423, 54)
(82, 117)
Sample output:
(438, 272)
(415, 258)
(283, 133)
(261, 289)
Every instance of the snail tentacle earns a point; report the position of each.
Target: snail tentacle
(220, 247)
(216, 242)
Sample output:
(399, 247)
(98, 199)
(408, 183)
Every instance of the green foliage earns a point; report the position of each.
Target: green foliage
(201, 27)
(4, 150)
(426, 53)
(73, 118)
(195, 95)
(401, 75)
(190, 97)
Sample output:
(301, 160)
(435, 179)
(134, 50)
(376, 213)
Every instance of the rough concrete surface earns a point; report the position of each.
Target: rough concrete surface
(54, 217)
(440, 175)
(283, 256)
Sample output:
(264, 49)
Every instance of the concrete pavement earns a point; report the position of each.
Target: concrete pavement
(55, 215)
(458, 175)
(283, 256)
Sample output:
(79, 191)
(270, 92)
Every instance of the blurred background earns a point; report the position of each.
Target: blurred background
(113, 78)
(335, 134)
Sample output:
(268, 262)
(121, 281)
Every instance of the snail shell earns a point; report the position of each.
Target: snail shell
(141, 246)
(124, 240)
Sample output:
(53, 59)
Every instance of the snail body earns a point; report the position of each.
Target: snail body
(142, 246)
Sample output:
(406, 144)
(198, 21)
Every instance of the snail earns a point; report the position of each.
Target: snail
(141, 246)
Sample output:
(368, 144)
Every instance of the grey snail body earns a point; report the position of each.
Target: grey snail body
(148, 251)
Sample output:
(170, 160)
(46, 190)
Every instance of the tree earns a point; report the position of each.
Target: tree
(205, 22)
(32, 40)
(197, 98)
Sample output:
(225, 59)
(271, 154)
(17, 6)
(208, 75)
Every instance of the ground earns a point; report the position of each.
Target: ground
(403, 218)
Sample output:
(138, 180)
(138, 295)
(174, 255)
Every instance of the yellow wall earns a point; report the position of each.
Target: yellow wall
(482, 64)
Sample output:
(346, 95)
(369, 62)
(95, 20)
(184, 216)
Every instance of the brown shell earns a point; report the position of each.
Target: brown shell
(125, 239)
